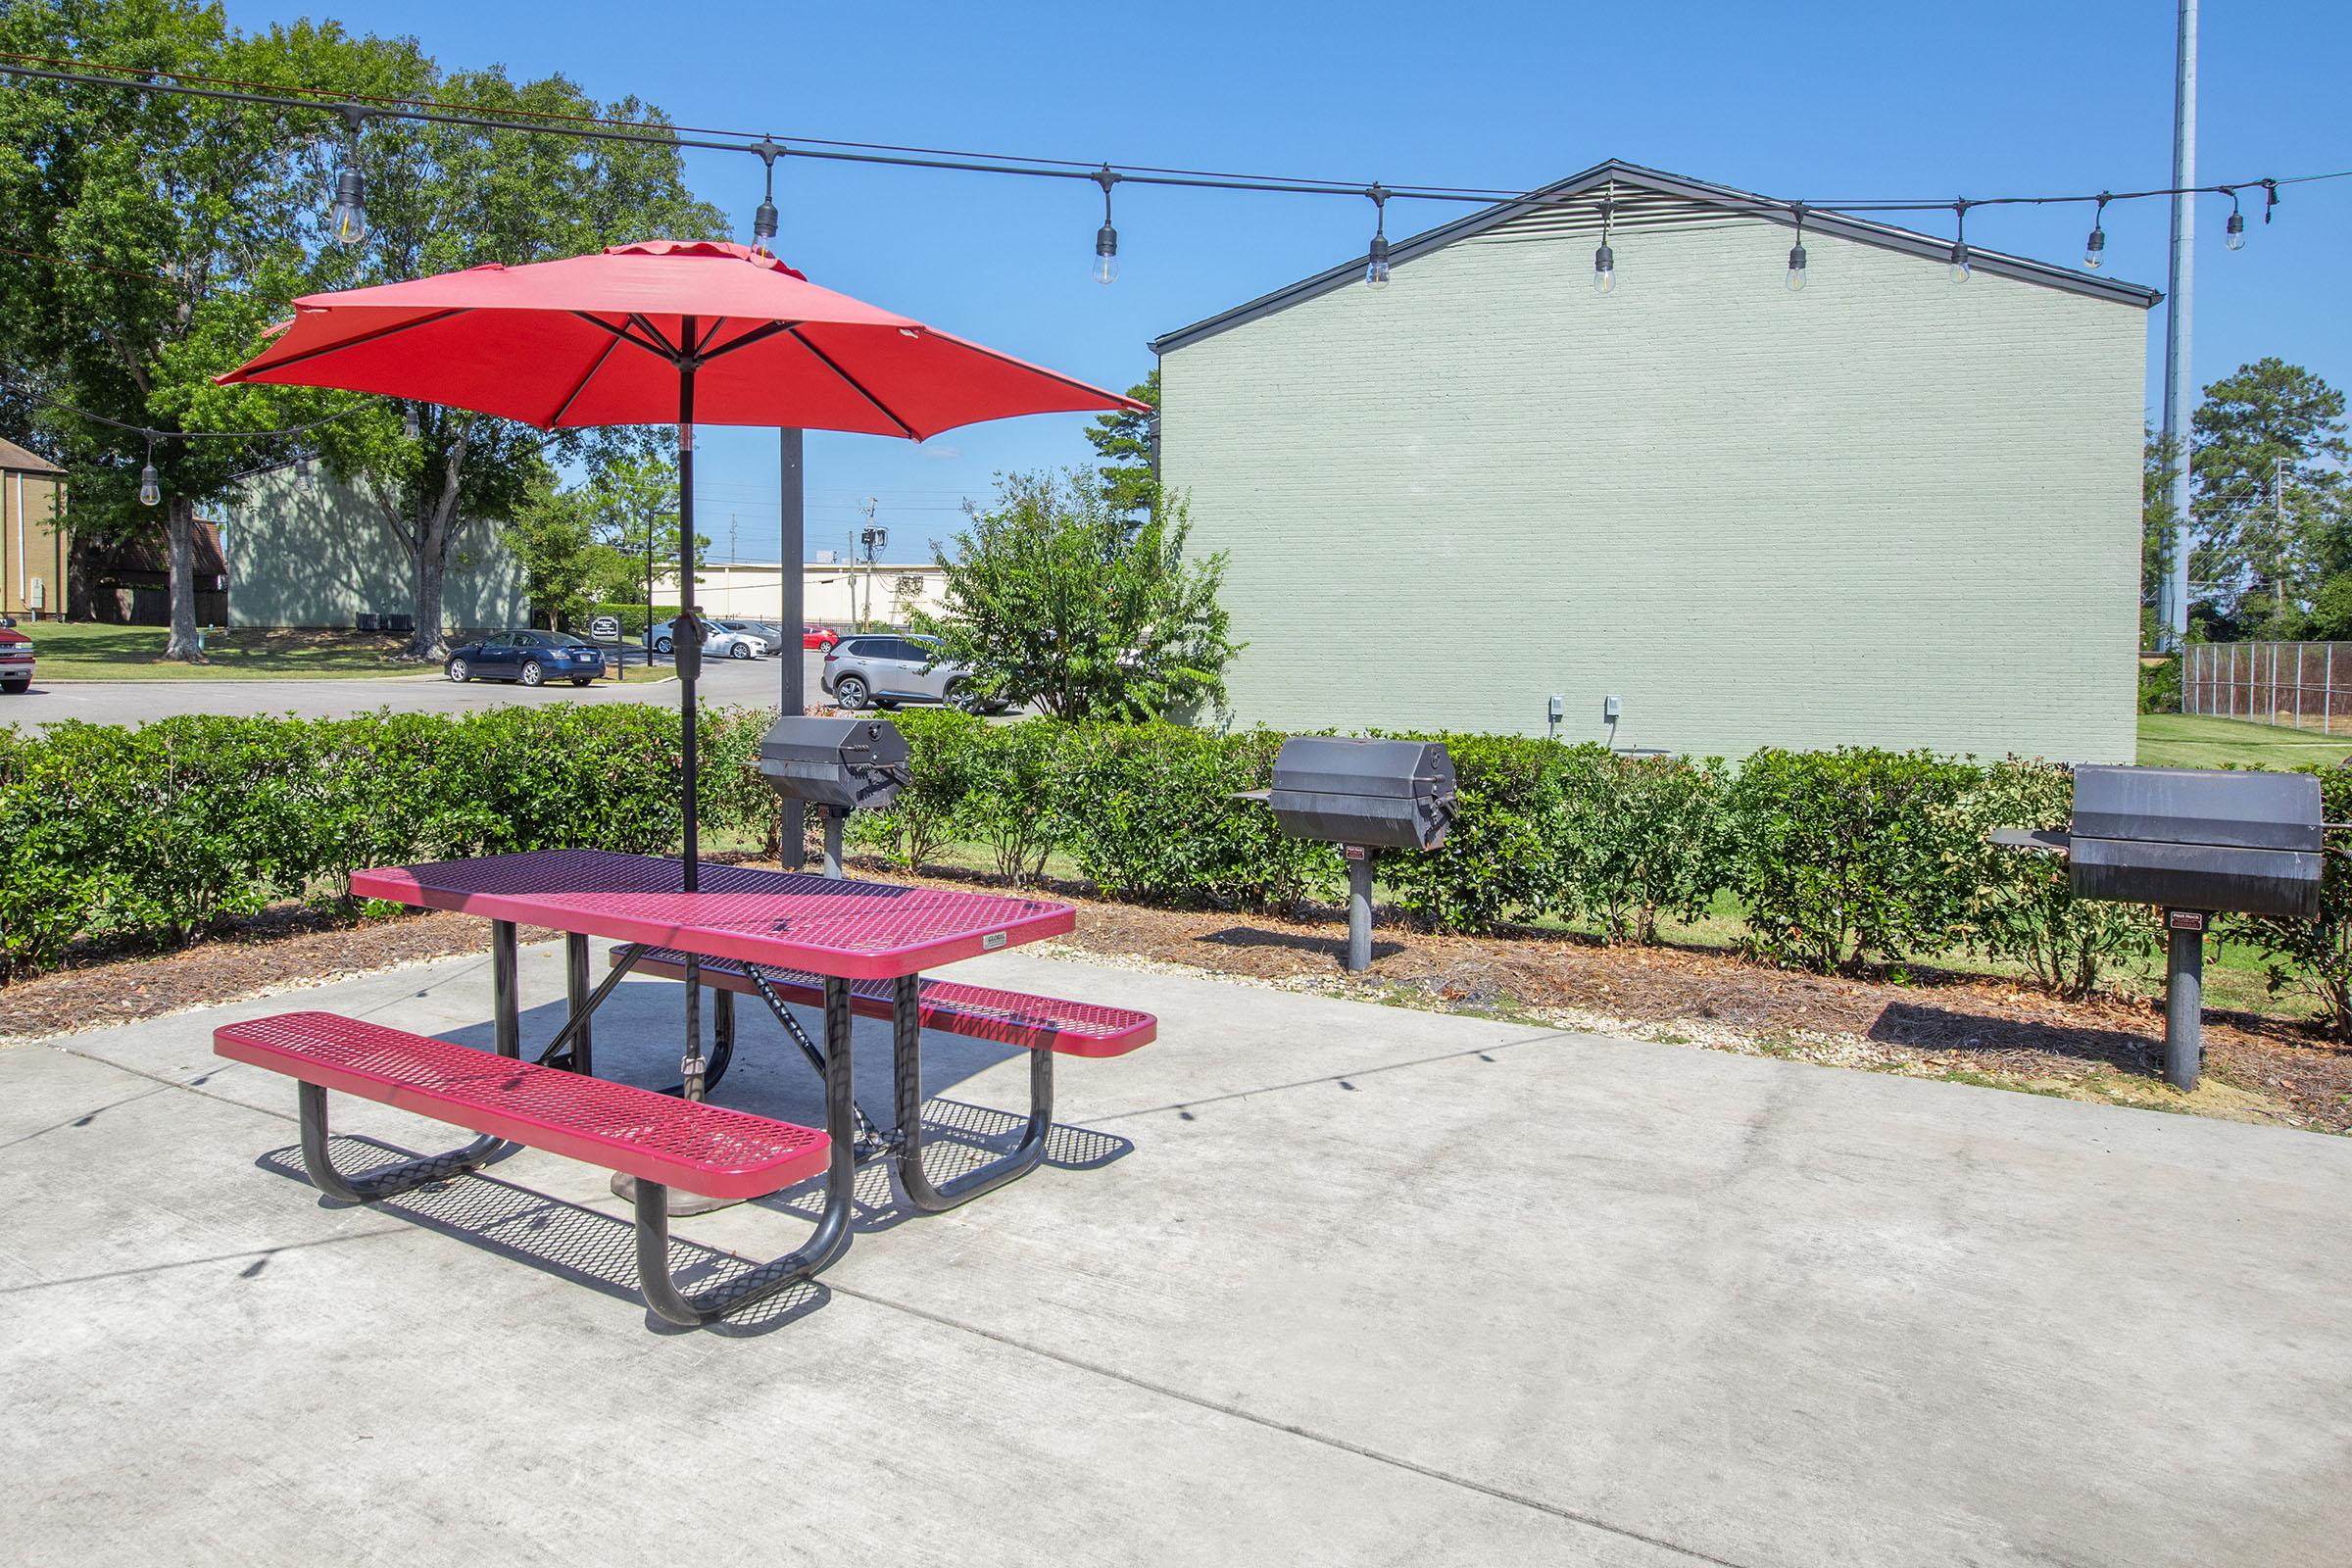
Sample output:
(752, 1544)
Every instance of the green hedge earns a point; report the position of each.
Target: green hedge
(1835, 857)
(155, 833)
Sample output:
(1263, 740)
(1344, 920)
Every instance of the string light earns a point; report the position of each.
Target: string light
(150, 493)
(410, 427)
(347, 221)
(1958, 264)
(1796, 253)
(1604, 260)
(1376, 260)
(2234, 233)
(1106, 238)
(348, 218)
(763, 221)
(2097, 243)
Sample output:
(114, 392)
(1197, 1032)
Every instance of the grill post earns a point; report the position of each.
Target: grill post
(2184, 996)
(833, 822)
(1359, 907)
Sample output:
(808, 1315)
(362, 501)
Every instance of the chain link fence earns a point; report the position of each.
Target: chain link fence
(2301, 685)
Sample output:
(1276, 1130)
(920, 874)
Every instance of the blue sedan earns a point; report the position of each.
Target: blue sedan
(533, 657)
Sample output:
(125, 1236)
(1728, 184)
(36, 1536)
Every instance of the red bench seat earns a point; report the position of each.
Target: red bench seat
(1008, 1017)
(695, 1147)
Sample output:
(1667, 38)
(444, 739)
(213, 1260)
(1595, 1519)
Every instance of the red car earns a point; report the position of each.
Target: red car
(15, 659)
(819, 637)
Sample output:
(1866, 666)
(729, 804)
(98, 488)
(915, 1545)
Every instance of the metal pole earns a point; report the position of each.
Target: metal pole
(576, 991)
(2176, 389)
(1359, 907)
(2184, 999)
(792, 698)
(833, 823)
(687, 639)
(2327, 695)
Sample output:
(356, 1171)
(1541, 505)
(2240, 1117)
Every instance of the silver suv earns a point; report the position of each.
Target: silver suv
(885, 670)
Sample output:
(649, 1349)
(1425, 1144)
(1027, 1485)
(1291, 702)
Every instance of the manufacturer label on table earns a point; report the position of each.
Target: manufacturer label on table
(993, 941)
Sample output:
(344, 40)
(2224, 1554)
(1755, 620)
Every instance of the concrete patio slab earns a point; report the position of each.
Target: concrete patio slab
(1314, 1281)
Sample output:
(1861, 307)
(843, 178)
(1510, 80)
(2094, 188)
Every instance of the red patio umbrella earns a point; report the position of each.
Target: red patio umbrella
(661, 332)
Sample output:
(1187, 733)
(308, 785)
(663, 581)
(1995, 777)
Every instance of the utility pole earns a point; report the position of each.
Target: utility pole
(873, 539)
(2173, 601)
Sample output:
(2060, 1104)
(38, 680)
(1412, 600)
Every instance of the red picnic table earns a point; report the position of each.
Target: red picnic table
(768, 933)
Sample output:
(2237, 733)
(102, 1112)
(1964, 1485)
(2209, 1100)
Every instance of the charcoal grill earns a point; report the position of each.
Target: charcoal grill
(2193, 842)
(835, 766)
(1364, 795)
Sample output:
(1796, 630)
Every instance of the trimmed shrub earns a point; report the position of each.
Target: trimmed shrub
(2020, 906)
(2313, 957)
(1506, 855)
(1647, 835)
(1010, 781)
(940, 746)
(1848, 855)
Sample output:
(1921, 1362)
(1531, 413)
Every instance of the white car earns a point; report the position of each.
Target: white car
(722, 639)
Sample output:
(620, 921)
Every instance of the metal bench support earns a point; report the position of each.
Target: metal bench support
(827, 1241)
(312, 1098)
(907, 1073)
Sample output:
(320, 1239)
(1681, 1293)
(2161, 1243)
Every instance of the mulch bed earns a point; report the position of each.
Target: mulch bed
(1933, 1023)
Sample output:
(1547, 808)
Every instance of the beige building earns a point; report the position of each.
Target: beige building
(833, 594)
(35, 541)
(1705, 511)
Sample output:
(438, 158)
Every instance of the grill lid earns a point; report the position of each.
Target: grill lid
(2247, 810)
(1343, 765)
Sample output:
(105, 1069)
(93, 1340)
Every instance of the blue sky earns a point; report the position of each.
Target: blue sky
(1793, 100)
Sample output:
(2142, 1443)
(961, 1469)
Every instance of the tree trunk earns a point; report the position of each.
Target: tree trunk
(432, 561)
(183, 527)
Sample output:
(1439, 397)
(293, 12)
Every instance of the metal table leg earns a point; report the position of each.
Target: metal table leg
(907, 1073)
(575, 997)
(824, 1246)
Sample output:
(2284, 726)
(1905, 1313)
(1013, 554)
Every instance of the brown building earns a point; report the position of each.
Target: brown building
(131, 580)
(33, 545)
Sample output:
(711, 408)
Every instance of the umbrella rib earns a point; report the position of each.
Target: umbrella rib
(766, 330)
(573, 396)
(660, 350)
(854, 384)
(340, 344)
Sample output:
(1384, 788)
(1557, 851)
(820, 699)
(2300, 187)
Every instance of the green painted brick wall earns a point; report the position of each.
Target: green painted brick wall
(318, 555)
(1887, 510)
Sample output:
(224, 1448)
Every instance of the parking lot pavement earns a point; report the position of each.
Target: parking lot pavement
(726, 682)
(1308, 1282)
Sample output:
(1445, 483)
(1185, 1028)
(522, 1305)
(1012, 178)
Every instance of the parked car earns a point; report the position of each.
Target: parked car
(16, 657)
(770, 639)
(889, 670)
(533, 657)
(819, 637)
(718, 642)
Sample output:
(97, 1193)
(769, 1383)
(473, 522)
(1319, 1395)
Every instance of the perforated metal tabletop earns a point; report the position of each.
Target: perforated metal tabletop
(796, 919)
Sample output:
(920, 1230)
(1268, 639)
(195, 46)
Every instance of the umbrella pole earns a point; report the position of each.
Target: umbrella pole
(689, 639)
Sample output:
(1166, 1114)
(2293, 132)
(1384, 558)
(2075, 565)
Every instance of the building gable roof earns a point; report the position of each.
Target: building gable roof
(15, 458)
(1689, 194)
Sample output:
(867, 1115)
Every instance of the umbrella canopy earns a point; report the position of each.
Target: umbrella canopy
(605, 339)
(660, 333)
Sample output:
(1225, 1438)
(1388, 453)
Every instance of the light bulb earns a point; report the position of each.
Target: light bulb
(348, 221)
(1959, 266)
(1605, 268)
(150, 493)
(1375, 266)
(2233, 234)
(2092, 247)
(764, 225)
(1106, 254)
(1796, 269)
(408, 422)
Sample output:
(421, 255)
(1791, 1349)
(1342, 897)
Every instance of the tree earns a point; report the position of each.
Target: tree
(155, 236)
(444, 197)
(552, 537)
(634, 499)
(1056, 595)
(2267, 451)
(2159, 456)
(1123, 440)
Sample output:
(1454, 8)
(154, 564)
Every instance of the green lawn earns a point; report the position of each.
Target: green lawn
(88, 650)
(2176, 740)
